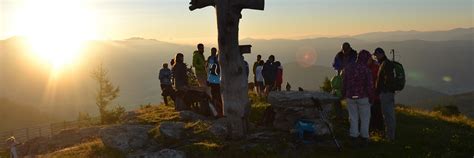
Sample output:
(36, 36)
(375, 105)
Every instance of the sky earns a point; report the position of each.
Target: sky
(171, 20)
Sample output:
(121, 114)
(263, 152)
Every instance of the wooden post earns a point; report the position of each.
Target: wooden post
(234, 80)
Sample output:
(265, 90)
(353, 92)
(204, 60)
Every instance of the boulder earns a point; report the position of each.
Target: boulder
(299, 98)
(126, 137)
(290, 106)
(191, 116)
(220, 129)
(172, 130)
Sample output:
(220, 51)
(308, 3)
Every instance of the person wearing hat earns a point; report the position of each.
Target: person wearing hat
(12, 143)
(384, 87)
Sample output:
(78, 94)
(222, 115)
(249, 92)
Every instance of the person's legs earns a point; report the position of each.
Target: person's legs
(216, 99)
(353, 118)
(388, 109)
(164, 93)
(376, 118)
(364, 113)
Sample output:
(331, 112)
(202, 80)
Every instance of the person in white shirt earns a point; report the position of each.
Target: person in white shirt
(259, 78)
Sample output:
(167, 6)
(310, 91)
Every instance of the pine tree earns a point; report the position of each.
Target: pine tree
(106, 92)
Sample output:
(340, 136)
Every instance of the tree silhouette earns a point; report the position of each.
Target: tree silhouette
(106, 92)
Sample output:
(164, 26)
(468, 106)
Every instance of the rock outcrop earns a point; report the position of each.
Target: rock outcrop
(172, 130)
(290, 106)
(191, 116)
(126, 137)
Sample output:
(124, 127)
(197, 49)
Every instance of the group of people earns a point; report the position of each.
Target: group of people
(207, 73)
(268, 76)
(366, 86)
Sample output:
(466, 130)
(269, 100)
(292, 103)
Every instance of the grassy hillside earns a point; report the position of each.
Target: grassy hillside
(463, 101)
(419, 134)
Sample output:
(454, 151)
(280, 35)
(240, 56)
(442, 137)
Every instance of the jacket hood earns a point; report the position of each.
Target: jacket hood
(363, 57)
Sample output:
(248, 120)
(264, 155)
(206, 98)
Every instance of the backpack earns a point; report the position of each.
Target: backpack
(305, 130)
(399, 74)
(336, 84)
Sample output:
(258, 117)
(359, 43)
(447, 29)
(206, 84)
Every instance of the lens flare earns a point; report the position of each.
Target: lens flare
(306, 57)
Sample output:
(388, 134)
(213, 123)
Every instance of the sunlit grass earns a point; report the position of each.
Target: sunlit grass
(92, 149)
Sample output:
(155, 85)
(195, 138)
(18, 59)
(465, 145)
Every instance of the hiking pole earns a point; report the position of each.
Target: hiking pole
(324, 119)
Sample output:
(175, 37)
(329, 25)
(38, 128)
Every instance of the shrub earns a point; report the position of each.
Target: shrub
(113, 116)
(447, 110)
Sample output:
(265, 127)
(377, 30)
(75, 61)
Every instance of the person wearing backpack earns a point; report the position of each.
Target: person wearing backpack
(356, 89)
(213, 80)
(386, 89)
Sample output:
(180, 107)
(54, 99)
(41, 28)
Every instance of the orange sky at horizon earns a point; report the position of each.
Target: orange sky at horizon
(171, 21)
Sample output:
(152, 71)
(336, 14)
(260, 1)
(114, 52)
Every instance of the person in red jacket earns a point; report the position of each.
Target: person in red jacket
(279, 76)
(376, 119)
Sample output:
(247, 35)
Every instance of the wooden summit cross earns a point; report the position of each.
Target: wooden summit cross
(234, 81)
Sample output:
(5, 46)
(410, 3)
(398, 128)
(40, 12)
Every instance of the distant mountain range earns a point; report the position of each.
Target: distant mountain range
(454, 34)
(435, 67)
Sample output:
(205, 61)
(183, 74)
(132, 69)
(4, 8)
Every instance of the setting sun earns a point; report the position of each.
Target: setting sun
(56, 30)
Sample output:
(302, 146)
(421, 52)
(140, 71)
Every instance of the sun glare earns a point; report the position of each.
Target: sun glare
(56, 30)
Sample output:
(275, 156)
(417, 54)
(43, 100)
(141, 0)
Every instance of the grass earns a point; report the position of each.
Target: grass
(418, 134)
(92, 149)
(157, 114)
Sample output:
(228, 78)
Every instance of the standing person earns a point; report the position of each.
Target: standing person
(199, 64)
(343, 58)
(180, 77)
(255, 64)
(357, 87)
(269, 74)
(384, 87)
(165, 83)
(279, 76)
(12, 143)
(259, 78)
(214, 81)
(376, 117)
